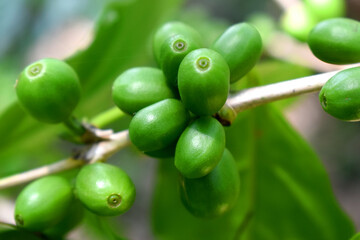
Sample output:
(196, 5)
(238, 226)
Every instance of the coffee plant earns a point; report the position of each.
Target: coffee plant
(229, 166)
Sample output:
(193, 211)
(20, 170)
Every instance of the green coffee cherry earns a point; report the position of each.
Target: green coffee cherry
(200, 147)
(340, 95)
(104, 189)
(298, 22)
(215, 193)
(43, 203)
(336, 41)
(173, 50)
(159, 125)
(49, 90)
(168, 30)
(203, 81)
(140, 87)
(241, 47)
(324, 9)
(72, 218)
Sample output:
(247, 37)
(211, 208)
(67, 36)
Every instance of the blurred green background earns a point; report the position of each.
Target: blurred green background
(34, 29)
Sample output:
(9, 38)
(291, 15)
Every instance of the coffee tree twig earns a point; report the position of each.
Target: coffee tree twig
(89, 154)
(241, 101)
(253, 97)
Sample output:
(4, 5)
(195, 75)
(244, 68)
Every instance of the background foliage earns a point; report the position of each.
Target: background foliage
(286, 193)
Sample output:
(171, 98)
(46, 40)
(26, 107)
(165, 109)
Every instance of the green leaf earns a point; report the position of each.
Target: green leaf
(102, 228)
(356, 237)
(123, 32)
(285, 191)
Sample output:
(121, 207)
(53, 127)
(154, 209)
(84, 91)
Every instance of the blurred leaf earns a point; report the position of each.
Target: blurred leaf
(356, 237)
(265, 24)
(8, 75)
(292, 196)
(200, 19)
(273, 71)
(123, 32)
(285, 191)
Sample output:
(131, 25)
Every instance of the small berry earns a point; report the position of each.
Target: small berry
(49, 90)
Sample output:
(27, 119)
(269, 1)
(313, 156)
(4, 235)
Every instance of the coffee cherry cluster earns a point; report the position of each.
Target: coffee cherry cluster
(173, 109)
(49, 90)
(51, 206)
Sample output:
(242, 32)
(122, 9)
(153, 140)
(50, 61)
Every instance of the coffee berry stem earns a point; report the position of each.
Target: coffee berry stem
(88, 154)
(253, 97)
(74, 125)
(107, 117)
(241, 101)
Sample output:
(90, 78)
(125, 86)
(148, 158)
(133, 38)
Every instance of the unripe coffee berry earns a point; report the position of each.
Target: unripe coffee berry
(43, 203)
(203, 81)
(72, 218)
(49, 90)
(140, 87)
(173, 51)
(200, 147)
(105, 189)
(336, 41)
(171, 29)
(159, 125)
(340, 96)
(215, 193)
(241, 47)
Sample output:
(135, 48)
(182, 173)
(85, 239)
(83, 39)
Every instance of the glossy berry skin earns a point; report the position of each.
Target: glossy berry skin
(49, 90)
(241, 47)
(324, 9)
(43, 203)
(203, 81)
(340, 96)
(336, 41)
(72, 218)
(104, 189)
(200, 147)
(159, 125)
(173, 51)
(168, 30)
(140, 87)
(215, 193)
